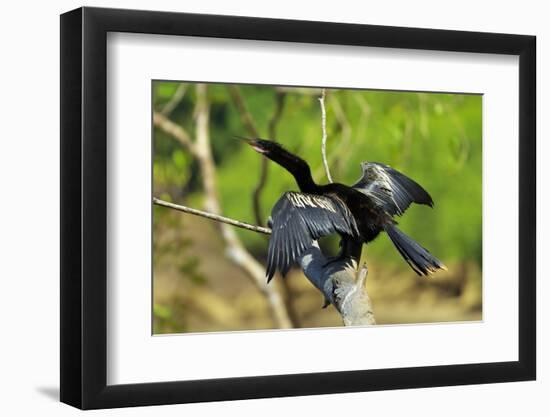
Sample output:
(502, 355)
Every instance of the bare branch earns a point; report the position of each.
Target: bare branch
(215, 217)
(280, 97)
(246, 117)
(272, 134)
(324, 138)
(176, 98)
(338, 158)
(250, 126)
(174, 130)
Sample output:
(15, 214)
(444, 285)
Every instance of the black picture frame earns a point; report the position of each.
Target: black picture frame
(84, 207)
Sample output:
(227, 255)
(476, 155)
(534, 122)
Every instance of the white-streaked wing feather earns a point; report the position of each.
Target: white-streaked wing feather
(391, 189)
(297, 220)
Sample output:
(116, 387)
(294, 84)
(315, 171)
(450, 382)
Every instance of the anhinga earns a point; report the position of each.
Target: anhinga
(360, 211)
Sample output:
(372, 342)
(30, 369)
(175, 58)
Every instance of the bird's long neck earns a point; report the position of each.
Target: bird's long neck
(297, 167)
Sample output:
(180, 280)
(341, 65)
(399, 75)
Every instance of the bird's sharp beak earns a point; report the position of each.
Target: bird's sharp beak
(247, 140)
(254, 143)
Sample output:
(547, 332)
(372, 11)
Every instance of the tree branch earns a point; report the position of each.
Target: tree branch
(324, 138)
(280, 98)
(337, 159)
(250, 126)
(215, 217)
(262, 180)
(176, 131)
(246, 117)
(176, 98)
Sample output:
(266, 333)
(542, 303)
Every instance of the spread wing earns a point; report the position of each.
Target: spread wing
(390, 188)
(299, 218)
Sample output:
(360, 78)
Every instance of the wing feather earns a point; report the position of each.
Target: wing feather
(297, 220)
(391, 189)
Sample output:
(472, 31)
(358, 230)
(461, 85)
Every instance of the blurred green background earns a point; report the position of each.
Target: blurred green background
(434, 138)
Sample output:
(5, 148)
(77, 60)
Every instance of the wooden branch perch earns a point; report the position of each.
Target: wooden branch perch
(216, 217)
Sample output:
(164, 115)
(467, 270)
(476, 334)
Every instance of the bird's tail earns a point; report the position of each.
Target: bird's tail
(420, 260)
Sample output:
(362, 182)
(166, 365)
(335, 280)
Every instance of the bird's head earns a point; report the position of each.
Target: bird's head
(265, 147)
(292, 163)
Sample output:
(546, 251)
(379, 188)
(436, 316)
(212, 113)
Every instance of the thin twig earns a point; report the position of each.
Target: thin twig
(211, 216)
(324, 138)
(337, 159)
(246, 117)
(249, 124)
(176, 131)
(280, 97)
(176, 98)
(262, 180)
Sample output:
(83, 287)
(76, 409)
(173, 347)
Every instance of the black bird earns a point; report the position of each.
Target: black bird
(360, 211)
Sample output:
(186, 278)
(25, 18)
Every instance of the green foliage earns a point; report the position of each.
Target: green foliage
(434, 138)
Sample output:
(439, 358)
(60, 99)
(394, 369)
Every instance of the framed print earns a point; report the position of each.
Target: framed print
(257, 208)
